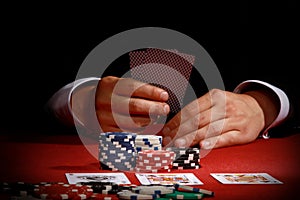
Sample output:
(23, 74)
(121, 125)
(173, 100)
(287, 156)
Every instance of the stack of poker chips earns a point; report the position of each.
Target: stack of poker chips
(117, 151)
(152, 161)
(148, 142)
(146, 192)
(63, 191)
(185, 158)
(186, 188)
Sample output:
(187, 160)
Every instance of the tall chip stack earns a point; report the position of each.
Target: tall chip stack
(148, 142)
(185, 158)
(117, 151)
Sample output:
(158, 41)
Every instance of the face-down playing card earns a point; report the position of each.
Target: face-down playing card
(167, 69)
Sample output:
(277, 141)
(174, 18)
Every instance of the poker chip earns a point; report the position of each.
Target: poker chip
(117, 151)
(148, 142)
(103, 187)
(98, 196)
(183, 164)
(127, 194)
(187, 167)
(186, 188)
(153, 190)
(139, 170)
(184, 150)
(154, 161)
(153, 147)
(185, 158)
(20, 189)
(60, 191)
(163, 198)
(184, 195)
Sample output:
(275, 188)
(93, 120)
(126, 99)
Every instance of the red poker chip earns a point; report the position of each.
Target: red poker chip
(60, 191)
(98, 196)
(149, 167)
(139, 170)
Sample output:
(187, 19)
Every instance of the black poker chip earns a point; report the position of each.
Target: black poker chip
(183, 157)
(17, 188)
(103, 187)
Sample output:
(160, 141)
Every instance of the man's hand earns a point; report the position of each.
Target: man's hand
(217, 119)
(124, 104)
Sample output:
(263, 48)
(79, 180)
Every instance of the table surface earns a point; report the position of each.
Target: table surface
(37, 157)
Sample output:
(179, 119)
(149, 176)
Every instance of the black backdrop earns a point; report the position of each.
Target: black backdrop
(43, 47)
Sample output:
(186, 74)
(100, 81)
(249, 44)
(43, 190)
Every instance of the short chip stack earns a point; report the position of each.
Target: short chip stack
(59, 191)
(148, 142)
(185, 158)
(146, 192)
(153, 161)
(117, 151)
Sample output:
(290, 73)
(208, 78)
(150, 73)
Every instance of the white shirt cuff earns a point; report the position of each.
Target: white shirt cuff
(60, 102)
(284, 102)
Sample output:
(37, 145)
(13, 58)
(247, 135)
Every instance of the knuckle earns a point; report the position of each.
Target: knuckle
(152, 91)
(217, 94)
(196, 121)
(134, 105)
(107, 80)
(202, 117)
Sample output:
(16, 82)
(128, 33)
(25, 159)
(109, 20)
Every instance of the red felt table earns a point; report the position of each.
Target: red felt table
(37, 157)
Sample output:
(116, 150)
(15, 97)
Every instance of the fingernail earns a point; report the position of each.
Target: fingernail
(165, 130)
(166, 109)
(180, 142)
(167, 140)
(206, 144)
(164, 96)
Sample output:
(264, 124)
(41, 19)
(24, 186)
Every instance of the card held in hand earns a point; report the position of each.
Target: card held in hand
(167, 69)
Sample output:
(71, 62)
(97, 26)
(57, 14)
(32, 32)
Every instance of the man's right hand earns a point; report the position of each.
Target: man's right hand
(124, 104)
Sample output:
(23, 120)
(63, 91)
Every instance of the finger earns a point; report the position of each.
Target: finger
(190, 125)
(138, 106)
(213, 129)
(134, 88)
(196, 122)
(123, 121)
(229, 138)
(211, 107)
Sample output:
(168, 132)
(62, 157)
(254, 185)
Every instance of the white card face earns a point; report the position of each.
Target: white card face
(168, 178)
(245, 178)
(118, 178)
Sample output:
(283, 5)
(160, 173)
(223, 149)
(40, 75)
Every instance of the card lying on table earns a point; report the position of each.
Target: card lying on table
(168, 179)
(119, 178)
(245, 178)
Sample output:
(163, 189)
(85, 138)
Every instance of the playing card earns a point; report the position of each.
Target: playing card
(168, 178)
(167, 69)
(119, 178)
(245, 178)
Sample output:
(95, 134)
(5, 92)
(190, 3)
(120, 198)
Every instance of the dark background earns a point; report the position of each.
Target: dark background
(43, 46)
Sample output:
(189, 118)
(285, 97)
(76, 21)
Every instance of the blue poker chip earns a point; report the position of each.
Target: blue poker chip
(117, 151)
(109, 166)
(156, 147)
(118, 135)
(121, 146)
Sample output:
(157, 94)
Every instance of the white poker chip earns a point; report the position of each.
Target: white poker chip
(153, 190)
(127, 194)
